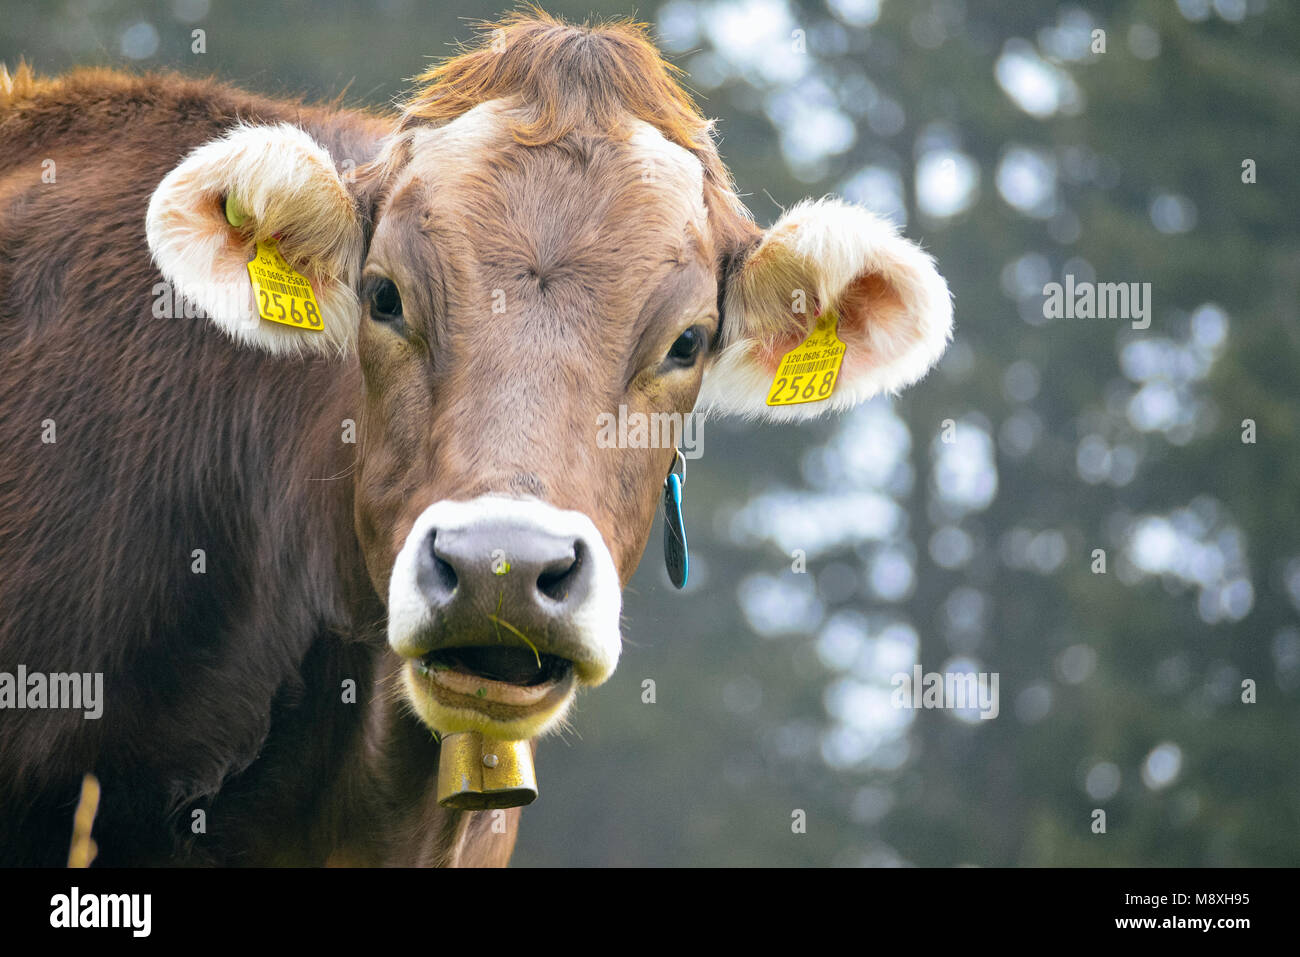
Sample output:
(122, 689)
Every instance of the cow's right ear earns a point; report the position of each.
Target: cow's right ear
(277, 184)
(891, 308)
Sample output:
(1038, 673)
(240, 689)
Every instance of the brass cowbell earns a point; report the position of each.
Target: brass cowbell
(476, 773)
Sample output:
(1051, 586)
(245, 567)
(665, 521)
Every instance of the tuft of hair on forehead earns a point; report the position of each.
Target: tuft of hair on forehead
(564, 78)
(19, 85)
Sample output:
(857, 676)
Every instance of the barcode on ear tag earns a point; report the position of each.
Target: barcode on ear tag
(809, 371)
(283, 294)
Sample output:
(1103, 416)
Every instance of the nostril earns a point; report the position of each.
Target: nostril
(558, 576)
(442, 570)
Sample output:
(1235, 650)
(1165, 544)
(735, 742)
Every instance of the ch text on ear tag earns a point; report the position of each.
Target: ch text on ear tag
(807, 372)
(283, 294)
(675, 555)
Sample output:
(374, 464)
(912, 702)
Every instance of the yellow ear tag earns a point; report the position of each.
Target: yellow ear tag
(283, 294)
(808, 372)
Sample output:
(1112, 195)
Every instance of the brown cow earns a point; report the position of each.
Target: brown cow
(542, 234)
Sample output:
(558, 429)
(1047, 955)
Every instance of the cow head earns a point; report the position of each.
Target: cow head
(547, 235)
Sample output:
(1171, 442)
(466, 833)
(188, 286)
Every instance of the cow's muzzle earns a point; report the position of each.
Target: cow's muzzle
(502, 607)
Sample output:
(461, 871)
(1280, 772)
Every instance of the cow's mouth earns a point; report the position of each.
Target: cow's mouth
(512, 666)
(503, 691)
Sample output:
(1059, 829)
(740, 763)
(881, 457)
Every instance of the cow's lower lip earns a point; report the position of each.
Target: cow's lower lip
(513, 677)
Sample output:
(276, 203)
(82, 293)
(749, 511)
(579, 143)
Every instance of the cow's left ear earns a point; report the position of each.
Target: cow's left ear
(894, 310)
(255, 185)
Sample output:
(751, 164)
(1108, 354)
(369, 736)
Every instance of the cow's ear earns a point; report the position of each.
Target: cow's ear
(893, 310)
(260, 184)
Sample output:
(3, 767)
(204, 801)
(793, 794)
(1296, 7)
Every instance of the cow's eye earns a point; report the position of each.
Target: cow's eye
(687, 346)
(385, 301)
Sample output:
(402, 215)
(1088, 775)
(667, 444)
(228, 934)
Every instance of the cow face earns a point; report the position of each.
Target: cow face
(512, 296)
(502, 297)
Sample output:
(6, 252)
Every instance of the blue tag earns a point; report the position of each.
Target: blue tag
(675, 555)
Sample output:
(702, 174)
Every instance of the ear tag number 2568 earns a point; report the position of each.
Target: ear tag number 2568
(808, 372)
(283, 294)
